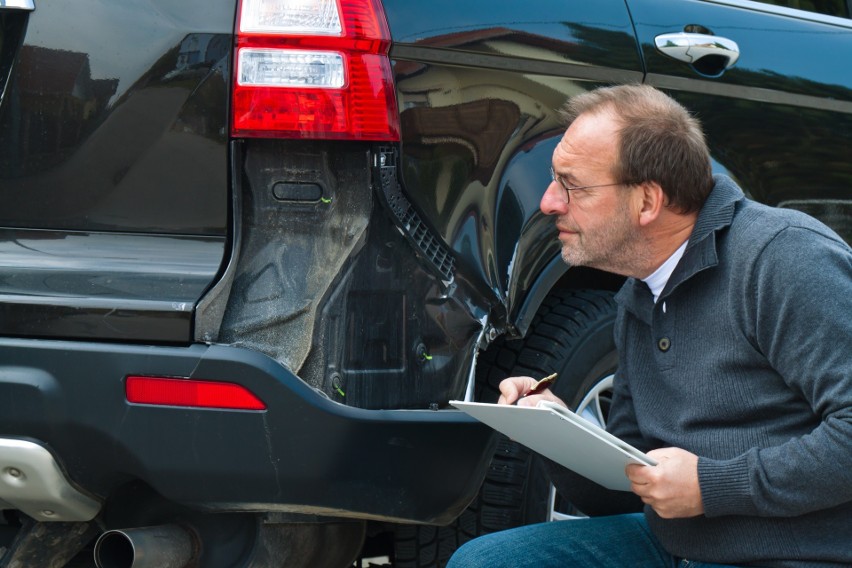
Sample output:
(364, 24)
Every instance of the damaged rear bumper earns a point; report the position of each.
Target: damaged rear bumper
(303, 454)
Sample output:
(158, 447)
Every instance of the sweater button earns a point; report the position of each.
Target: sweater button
(663, 344)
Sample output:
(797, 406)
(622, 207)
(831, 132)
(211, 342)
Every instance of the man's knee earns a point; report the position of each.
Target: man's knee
(472, 554)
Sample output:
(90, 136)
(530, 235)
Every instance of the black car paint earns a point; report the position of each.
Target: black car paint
(114, 138)
(99, 285)
(779, 120)
(114, 128)
(478, 100)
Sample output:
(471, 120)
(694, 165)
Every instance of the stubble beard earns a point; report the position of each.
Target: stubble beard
(617, 247)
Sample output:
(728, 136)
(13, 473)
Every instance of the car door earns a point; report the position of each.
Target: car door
(778, 119)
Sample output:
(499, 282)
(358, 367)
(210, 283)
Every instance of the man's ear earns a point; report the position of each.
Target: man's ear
(652, 202)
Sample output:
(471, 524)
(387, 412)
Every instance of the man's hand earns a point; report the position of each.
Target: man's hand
(670, 487)
(514, 388)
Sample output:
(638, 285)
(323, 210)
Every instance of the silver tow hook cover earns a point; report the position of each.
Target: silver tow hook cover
(32, 481)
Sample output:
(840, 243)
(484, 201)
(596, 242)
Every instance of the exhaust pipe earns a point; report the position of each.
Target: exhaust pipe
(165, 546)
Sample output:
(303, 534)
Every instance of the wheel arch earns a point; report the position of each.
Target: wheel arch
(558, 275)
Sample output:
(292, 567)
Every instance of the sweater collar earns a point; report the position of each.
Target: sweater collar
(701, 252)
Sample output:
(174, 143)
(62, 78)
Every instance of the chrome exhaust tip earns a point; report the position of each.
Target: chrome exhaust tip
(165, 546)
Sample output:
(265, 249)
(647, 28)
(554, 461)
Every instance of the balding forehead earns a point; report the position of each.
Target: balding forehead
(596, 129)
(590, 144)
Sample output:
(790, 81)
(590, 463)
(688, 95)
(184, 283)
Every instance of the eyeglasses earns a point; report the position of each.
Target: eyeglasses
(569, 188)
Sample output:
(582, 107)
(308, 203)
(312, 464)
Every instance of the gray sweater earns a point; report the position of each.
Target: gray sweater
(749, 367)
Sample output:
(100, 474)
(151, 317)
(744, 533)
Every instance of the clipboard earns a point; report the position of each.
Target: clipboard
(563, 436)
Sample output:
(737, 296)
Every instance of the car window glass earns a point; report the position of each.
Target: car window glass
(829, 7)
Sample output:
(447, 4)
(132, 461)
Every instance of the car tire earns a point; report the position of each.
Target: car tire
(571, 335)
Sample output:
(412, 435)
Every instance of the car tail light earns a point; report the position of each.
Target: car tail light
(169, 391)
(313, 69)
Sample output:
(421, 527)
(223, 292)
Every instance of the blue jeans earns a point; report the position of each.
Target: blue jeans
(600, 542)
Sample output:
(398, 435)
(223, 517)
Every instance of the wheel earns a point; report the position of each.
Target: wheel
(571, 335)
(594, 407)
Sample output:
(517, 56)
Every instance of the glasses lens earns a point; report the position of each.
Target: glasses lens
(565, 193)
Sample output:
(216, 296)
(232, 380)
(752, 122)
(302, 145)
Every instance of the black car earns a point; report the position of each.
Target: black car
(251, 249)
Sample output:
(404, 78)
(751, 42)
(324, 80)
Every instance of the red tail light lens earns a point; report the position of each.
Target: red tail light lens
(313, 69)
(167, 391)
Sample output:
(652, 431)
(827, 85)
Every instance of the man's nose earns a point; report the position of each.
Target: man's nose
(552, 202)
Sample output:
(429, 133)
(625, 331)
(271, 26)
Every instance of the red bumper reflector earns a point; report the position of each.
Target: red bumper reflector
(166, 391)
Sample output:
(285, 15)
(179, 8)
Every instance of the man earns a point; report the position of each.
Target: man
(735, 369)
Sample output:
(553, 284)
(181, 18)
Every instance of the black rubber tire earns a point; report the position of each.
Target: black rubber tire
(571, 334)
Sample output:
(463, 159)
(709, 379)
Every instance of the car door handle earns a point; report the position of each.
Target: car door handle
(28, 5)
(690, 47)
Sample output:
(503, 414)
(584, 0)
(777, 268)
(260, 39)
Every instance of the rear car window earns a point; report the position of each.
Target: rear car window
(838, 8)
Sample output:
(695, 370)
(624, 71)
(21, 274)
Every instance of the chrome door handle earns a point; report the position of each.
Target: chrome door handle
(28, 5)
(690, 47)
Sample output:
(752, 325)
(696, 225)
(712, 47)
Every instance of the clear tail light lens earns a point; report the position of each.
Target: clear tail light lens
(290, 68)
(299, 17)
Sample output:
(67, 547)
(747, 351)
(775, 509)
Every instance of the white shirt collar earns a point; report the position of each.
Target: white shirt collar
(658, 280)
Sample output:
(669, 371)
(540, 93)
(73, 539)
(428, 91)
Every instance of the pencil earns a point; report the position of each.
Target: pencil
(541, 385)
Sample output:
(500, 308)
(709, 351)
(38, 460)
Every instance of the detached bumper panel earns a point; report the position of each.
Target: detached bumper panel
(304, 454)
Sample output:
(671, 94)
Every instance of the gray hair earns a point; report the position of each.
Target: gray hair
(660, 141)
